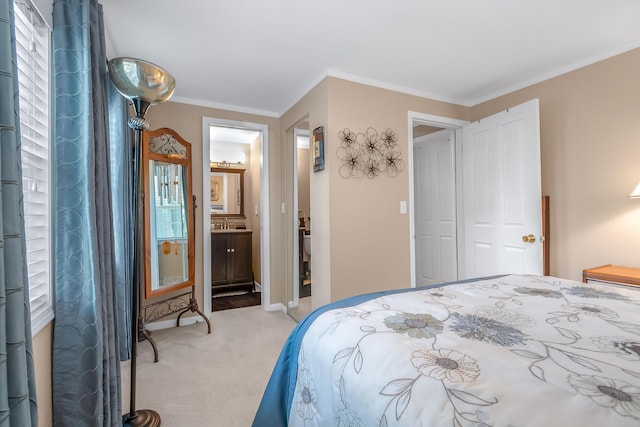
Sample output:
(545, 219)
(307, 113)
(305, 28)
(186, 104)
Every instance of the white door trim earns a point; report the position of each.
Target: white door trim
(437, 121)
(265, 254)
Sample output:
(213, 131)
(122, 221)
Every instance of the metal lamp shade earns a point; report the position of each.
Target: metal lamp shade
(142, 80)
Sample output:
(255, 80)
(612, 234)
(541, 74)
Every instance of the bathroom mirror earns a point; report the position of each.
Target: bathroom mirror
(168, 212)
(227, 192)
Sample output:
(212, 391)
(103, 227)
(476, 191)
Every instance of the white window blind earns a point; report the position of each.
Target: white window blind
(32, 45)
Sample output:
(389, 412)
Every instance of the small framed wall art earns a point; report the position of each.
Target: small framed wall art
(318, 149)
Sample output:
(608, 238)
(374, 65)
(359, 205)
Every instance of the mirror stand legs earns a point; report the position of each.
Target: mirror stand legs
(193, 307)
(142, 331)
(157, 310)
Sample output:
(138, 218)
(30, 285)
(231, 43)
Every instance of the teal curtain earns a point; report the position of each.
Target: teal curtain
(17, 383)
(87, 335)
(121, 153)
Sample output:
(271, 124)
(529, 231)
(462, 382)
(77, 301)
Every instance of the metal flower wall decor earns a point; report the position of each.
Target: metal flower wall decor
(369, 153)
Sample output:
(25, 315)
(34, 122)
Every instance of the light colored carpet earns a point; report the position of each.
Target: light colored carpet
(209, 380)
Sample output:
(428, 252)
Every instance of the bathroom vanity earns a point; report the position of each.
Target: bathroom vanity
(231, 261)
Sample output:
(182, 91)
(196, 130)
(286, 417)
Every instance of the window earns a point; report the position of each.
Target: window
(32, 45)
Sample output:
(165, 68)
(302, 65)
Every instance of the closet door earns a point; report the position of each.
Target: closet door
(435, 209)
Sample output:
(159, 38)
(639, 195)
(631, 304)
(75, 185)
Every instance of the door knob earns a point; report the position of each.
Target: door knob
(529, 238)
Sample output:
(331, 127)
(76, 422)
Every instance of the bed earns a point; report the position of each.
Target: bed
(502, 351)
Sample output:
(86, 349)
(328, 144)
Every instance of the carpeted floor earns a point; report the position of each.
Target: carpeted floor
(235, 301)
(210, 380)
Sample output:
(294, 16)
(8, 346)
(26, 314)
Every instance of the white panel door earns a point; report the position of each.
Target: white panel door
(502, 193)
(435, 209)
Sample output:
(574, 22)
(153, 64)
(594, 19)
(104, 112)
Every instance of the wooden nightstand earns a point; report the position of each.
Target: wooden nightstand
(612, 274)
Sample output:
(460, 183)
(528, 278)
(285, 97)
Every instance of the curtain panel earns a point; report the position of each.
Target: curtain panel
(87, 337)
(121, 139)
(17, 382)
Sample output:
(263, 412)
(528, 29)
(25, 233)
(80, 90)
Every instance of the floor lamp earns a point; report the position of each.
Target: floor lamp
(144, 84)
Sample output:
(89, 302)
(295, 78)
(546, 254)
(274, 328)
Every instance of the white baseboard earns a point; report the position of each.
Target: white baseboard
(276, 307)
(184, 321)
(171, 323)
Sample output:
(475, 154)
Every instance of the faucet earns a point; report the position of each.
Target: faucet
(226, 223)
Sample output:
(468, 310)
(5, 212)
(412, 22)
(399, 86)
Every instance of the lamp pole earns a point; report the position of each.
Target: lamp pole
(143, 84)
(142, 417)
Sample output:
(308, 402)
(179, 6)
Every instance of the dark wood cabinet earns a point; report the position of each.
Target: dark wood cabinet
(231, 261)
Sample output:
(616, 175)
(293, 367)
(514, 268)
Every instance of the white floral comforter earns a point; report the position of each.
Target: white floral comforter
(510, 351)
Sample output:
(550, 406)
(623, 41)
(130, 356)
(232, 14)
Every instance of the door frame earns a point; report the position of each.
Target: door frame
(265, 229)
(445, 123)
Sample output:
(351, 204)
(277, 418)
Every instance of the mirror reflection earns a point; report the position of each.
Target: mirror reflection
(227, 192)
(168, 224)
(168, 207)
(298, 273)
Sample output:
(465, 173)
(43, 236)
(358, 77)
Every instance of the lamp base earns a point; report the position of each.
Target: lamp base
(142, 417)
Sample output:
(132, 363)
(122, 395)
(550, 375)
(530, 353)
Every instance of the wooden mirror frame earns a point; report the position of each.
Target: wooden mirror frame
(241, 173)
(165, 152)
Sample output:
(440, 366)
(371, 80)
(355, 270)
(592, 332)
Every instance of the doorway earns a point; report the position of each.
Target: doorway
(498, 196)
(435, 205)
(420, 127)
(256, 200)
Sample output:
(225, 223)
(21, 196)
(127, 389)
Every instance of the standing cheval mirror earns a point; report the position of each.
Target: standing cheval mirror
(169, 227)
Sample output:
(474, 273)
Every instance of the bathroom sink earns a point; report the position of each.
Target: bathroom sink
(230, 230)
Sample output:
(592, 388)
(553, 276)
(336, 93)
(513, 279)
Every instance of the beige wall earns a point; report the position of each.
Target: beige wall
(370, 243)
(315, 105)
(422, 130)
(187, 121)
(42, 343)
(589, 149)
(590, 143)
(590, 132)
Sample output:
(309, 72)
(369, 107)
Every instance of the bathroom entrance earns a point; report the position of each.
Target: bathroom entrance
(235, 210)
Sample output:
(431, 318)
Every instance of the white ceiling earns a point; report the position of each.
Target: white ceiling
(235, 135)
(263, 56)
